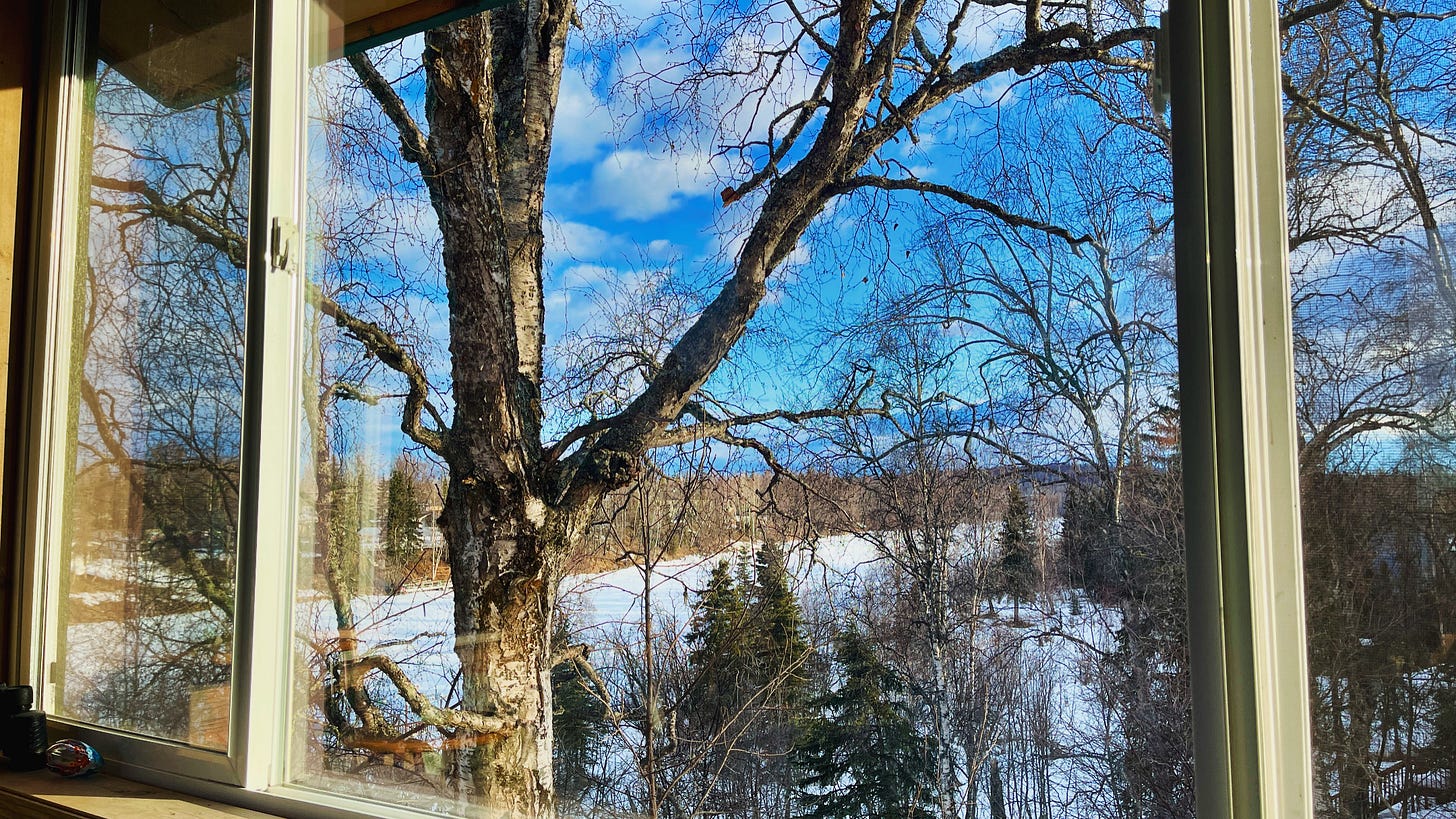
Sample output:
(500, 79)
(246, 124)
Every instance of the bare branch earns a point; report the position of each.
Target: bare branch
(717, 428)
(961, 197)
(203, 227)
(413, 145)
(1309, 12)
(394, 356)
(428, 712)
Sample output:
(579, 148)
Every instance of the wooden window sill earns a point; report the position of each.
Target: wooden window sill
(43, 795)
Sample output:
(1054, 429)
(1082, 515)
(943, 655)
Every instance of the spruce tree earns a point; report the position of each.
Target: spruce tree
(719, 687)
(404, 536)
(578, 728)
(859, 749)
(779, 675)
(345, 501)
(1018, 564)
(716, 632)
(778, 622)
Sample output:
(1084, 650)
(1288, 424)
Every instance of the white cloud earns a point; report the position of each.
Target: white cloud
(584, 126)
(586, 275)
(986, 29)
(598, 14)
(661, 250)
(572, 241)
(635, 185)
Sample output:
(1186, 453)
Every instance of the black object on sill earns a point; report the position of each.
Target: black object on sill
(22, 731)
(14, 699)
(24, 740)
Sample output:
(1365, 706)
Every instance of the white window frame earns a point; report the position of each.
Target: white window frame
(1252, 740)
(1251, 720)
(260, 683)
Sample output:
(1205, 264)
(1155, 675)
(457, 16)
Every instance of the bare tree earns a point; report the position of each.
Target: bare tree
(517, 504)
(924, 509)
(1368, 89)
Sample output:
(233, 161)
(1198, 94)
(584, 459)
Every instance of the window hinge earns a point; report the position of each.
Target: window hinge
(284, 236)
(1161, 83)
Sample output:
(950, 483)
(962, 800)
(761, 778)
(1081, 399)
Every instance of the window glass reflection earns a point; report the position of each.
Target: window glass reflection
(155, 378)
(1368, 125)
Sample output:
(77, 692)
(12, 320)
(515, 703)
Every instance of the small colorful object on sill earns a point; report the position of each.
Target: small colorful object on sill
(72, 757)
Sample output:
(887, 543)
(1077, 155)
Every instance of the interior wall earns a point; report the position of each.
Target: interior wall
(19, 36)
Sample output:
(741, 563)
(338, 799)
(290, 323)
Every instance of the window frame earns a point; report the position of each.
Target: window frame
(259, 682)
(1252, 737)
(1251, 709)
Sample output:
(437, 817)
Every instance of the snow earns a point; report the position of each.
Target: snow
(1056, 653)
(96, 598)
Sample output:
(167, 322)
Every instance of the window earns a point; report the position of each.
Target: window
(143, 633)
(309, 481)
(1370, 207)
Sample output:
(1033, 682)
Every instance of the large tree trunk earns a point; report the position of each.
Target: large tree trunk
(505, 583)
(491, 94)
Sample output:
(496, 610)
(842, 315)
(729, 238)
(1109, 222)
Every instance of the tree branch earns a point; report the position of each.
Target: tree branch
(716, 428)
(428, 712)
(394, 356)
(203, 227)
(961, 197)
(1309, 12)
(413, 144)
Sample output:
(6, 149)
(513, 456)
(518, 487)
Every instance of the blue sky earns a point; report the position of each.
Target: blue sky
(633, 202)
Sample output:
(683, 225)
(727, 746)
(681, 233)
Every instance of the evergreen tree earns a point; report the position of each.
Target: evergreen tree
(859, 748)
(716, 632)
(720, 686)
(1018, 564)
(346, 503)
(579, 726)
(779, 674)
(778, 633)
(1148, 671)
(404, 536)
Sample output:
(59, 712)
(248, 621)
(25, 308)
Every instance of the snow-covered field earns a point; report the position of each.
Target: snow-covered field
(1053, 648)
(1055, 652)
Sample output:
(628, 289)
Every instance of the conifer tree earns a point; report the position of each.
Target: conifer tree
(720, 687)
(859, 750)
(1018, 564)
(779, 677)
(579, 726)
(346, 503)
(404, 536)
(778, 624)
(1085, 538)
(717, 629)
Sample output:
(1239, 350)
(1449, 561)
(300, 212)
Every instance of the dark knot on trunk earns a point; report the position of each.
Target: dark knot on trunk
(611, 468)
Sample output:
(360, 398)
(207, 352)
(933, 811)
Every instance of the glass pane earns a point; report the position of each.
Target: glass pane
(958, 592)
(372, 579)
(1368, 123)
(155, 377)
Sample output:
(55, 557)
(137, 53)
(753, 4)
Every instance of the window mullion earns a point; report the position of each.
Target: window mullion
(1252, 739)
(275, 259)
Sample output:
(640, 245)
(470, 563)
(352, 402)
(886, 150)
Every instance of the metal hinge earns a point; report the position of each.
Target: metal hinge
(1162, 79)
(284, 237)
